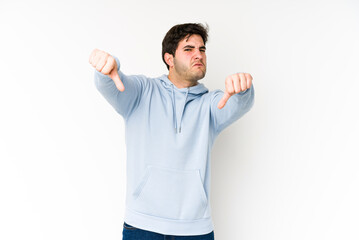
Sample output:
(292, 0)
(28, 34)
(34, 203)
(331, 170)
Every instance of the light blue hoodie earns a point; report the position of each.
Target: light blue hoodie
(169, 136)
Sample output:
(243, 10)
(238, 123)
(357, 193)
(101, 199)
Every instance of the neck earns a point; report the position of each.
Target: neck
(179, 81)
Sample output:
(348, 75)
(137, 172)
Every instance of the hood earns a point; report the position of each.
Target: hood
(190, 94)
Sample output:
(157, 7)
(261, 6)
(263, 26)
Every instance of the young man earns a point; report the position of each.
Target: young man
(172, 122)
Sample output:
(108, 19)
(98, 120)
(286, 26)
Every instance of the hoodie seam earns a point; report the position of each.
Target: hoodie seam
(215, 124)
(145, 82)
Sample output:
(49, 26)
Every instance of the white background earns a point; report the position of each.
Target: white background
(287, 170)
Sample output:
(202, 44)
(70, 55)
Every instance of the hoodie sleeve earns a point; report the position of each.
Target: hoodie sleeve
(123, 102)
(236, 106)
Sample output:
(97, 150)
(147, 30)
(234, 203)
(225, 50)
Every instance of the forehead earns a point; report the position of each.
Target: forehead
(195, 40)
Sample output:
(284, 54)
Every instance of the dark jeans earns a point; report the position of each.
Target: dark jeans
(132, 233)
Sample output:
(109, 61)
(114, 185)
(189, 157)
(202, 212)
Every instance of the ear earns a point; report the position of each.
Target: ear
(169, 59)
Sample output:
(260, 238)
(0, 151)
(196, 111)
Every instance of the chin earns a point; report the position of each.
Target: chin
(200, 76)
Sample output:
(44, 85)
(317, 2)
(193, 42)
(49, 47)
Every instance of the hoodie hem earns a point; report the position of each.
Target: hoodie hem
(168, 226)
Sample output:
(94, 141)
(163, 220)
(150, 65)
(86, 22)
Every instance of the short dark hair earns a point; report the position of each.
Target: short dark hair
(179, 32)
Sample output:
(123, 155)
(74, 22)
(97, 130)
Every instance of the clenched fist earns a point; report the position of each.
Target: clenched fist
(106, 64)
(235, 83)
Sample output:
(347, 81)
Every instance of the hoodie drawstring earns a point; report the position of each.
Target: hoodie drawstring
(174, 109)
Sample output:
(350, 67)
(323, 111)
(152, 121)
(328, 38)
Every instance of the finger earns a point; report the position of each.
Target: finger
(223, 100)
(116, 78)
(100, 66)
(249, 80)
(236, 83)
(96, 59)
(229, 85)
(92, 56)
(107, 68)
(243, 81)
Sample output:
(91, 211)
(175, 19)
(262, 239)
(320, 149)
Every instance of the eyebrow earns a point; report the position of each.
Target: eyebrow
(190, 46)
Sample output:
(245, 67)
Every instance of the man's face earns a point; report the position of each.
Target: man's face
(190, 61)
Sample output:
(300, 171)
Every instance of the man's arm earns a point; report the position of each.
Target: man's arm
(237, 100)
(111, 84)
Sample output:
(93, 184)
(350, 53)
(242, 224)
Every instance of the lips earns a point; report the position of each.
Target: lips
(198, 64)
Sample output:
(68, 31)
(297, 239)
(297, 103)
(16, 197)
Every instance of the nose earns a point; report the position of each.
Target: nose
(198, 54)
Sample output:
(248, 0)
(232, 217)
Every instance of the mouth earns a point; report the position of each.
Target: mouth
(198, 65)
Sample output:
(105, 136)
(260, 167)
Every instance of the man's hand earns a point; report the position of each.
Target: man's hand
(234, 84)
(106, 64)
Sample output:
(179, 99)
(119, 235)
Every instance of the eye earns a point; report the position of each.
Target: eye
(187, 49)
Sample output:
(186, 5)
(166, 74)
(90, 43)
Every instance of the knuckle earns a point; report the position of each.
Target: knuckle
(111, 59)
(249, 76)
(98, 67)
(104, 71)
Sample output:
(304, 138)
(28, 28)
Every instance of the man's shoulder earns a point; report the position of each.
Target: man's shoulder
(211, 94)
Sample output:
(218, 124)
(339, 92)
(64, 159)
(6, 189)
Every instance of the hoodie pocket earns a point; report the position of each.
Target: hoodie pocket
(170, 193)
